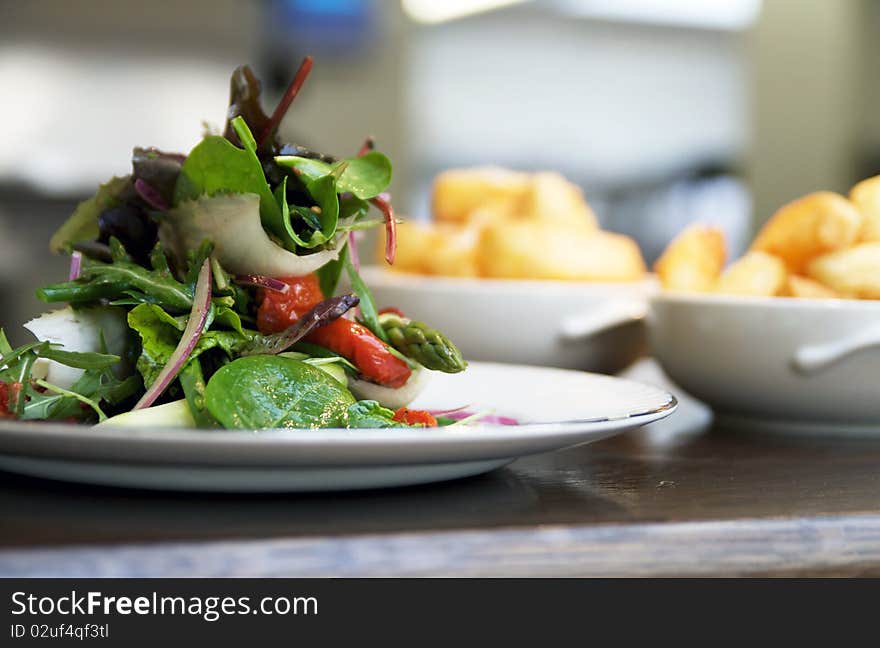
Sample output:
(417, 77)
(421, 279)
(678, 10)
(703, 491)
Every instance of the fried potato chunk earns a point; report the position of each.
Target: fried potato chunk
(553, 199)
(534, 250)
(852, 272)
(453, 251)
(866, 197)
(806, 288)
(757, 273)
(457, 193)
(414, 245)
(693, 260)
(816, 224)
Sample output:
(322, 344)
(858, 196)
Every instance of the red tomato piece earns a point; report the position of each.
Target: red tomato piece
(415, 417)
(8, 393)
(279, 310)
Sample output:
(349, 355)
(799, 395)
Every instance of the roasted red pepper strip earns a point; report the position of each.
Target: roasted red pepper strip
(367, 352)
(415, 417)
(349, 339)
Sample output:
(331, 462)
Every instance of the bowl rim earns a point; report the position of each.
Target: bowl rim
(752, 301)
(377, 276)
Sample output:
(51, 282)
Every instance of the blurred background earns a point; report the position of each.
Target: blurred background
(663, 111)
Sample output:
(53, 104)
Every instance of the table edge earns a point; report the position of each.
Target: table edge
(821, 544)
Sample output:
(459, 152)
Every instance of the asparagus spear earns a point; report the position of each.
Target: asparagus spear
(427, 346)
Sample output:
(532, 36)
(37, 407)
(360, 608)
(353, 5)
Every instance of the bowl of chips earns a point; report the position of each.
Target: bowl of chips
(515, 268)
(789, 333)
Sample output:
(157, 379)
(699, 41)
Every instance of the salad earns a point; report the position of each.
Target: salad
(204, 292)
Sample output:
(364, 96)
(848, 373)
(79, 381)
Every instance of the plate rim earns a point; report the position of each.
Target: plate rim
(55, 440)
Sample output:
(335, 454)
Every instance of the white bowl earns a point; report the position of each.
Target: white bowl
(573, 325)
(798, 362)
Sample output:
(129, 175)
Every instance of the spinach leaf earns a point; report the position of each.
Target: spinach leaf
(366, 176)
(217, 166)
(82, 225)
(370, 414)
(259, 392)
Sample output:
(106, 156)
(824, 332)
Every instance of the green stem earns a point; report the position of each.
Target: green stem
(76, 291)
(64, 392)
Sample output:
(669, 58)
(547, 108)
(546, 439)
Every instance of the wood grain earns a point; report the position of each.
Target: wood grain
(671, 498)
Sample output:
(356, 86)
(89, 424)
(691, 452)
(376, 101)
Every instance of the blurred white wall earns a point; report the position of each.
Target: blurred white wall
(89, 80)
(810, 86)
(607, 101)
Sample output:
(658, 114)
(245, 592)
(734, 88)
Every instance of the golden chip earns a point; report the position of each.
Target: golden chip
(693, 260)
(851, 272)
(866, 197)
(816, 224)
(533, 250)
(756, 273)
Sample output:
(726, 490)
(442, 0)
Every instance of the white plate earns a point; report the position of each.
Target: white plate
(556, 409)
(585, 325)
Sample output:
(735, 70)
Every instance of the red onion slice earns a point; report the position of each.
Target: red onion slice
(390, 228)
(263, 282)
(150, 195)
(194, 327)
(75, 265)
(462, 414)
(447, 412)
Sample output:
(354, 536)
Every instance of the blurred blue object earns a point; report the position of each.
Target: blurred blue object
(324, 27)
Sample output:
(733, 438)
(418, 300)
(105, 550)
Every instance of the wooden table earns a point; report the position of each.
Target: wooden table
(681, 497)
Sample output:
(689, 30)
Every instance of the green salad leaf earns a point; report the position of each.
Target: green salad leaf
(216, 166)
(192, 380)
(259, 392)
(122, 280)
(82, 225)
(330, 273)
(366, 176)
(79, 359)
(37, 399)
(369, 313)
(322, 218)
(370, 414)
(160, 334)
